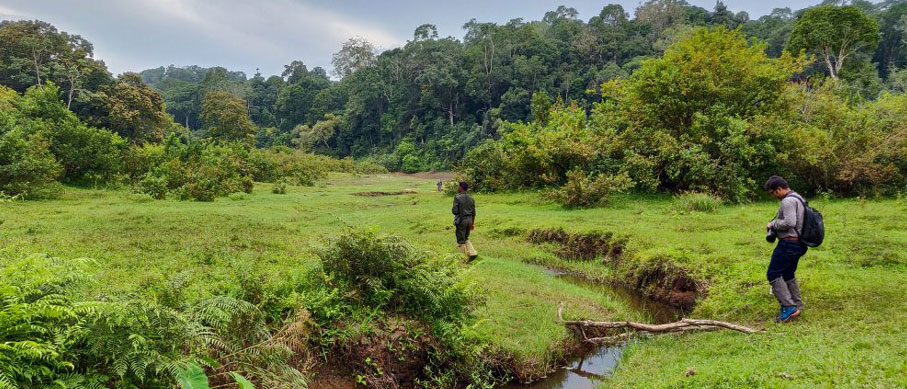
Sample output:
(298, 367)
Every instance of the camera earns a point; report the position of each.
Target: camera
(771, 236)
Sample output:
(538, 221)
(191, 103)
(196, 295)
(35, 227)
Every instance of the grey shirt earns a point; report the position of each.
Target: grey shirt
(789, 220)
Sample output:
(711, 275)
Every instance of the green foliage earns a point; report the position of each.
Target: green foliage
(280, 187)
(192, 376)
(387, 272)
(582, 191)
(226, 118)
(195, 170)
(85, 153)
(851, 150)
(39, 324)
(241, 381)
(681, 122)
(27, 168)
(833, 34)
(236, 196)
(696, 202)
(136, 111)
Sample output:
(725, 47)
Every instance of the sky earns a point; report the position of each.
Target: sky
(133, 35)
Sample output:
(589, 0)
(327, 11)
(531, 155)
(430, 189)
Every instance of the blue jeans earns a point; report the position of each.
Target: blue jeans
(784, 259)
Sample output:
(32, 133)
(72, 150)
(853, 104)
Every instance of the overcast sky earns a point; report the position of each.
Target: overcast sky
(133, 35)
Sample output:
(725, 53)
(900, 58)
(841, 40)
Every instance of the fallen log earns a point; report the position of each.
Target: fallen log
(678, 326)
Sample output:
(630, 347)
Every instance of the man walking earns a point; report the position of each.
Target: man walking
(787, 227)
(464, 210)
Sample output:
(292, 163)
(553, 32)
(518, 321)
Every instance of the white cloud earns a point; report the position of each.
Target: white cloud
(6, 12)
(277, 29)
(131, 35)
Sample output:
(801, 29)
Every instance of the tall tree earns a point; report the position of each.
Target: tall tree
(834, 34)
(355, 54)
(136, 111)
(226, 118)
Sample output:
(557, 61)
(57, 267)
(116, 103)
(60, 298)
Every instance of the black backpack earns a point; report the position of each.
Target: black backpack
(813, 232)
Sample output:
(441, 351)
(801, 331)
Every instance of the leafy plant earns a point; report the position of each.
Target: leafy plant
(696, 202)
(581, 191)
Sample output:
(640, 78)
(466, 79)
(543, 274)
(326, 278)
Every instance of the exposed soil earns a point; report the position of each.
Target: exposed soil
(670, 284)
(378, 194)
(391, 354)
(332, 377)
(662, 281)
(587, 246)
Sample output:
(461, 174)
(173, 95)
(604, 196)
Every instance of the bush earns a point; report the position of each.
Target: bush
(280, 187)
(27, 168)
(582, 191)
(195, 170)
(86, 153)
(236, 196)
(52, 339)
(387, 272)
(368, 167)
(849, 150)
(696, 202)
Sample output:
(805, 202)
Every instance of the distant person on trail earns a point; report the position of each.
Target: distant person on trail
(440, 185)
(464, 210)
(786, 227)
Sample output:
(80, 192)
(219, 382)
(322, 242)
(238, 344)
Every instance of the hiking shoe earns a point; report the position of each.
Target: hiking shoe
(473, 257)
(787, 313)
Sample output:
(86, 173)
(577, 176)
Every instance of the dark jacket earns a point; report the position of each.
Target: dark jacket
(463, 206)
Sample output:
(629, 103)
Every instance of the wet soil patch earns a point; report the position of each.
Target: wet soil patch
(378, 194)
(584, 246)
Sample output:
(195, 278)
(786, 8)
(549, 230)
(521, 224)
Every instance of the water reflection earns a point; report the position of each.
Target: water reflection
(580, 373)
(585, 371)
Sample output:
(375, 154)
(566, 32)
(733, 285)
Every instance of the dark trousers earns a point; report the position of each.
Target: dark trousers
(784, 259)
(462, 226)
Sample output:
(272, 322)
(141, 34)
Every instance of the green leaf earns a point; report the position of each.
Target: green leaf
(192, 377)
(242, 381)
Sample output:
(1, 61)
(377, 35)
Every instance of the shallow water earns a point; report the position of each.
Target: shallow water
(585, 371)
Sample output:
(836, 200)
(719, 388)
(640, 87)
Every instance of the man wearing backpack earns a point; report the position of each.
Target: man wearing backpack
(788, 228)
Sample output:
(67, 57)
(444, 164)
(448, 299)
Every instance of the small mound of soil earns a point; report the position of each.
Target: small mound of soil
(392, 354)
(585, 246)
(670, 284)
(377, 194)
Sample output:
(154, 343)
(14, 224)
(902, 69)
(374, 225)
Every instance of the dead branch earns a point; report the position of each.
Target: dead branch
(678, 326)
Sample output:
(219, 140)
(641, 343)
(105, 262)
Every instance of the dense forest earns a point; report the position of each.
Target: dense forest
(426, 104)
(278, 287)
(423, 105)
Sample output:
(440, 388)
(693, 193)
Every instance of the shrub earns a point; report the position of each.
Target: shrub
(387, 272)
(582, 191)
(369, 167)
(140, 197)
(27, 168)
(696, 202)
(236, 196)
(51, 339)
(485, 167)
(195, 170)
(86, 153)
(411, 164)
(280, 187)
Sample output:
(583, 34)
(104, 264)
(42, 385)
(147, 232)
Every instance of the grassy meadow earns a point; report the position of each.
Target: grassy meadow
(850, 334)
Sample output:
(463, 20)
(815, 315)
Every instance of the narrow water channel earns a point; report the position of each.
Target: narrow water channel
(587, 370)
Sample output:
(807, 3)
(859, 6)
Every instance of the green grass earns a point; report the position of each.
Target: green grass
(851, 333)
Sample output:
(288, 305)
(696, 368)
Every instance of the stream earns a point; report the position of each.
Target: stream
(585, 371)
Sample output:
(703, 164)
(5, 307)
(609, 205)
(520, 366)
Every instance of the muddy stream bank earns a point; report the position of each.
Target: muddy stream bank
(585, 371)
